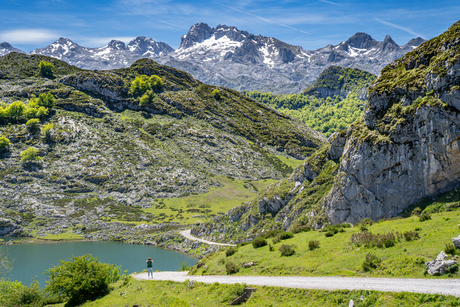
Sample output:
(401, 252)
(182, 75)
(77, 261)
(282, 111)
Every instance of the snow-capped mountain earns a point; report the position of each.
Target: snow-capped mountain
(114, 55)
(238, 59)
(226, 56)
(6, 48)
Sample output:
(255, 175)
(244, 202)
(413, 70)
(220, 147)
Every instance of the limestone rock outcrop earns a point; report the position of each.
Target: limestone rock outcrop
(440, 265)
(408, 145)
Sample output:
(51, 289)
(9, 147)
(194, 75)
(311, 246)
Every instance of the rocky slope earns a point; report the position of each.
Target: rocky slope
(226, 56)
(107, 154)
(405, 147)
(339, 81)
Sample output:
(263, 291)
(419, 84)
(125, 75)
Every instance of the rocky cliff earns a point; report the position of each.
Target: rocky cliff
(407, 146)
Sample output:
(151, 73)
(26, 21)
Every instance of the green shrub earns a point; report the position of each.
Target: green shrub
(46, 130)
(216, 94)
(450, 249)
(417, 211)
(313, 244)
(32, 124)
(4, 144)
(424, 217)
(30, 155)
(25, 296)
(184, 266)
(287, 250)
(329, 233)
(300, 228)
(452, 269)
(276, 240)
(286, 235)
(411, 235)
(270, 233)
(259, 242)
(271, 248)
(15, 111)
(368, 239)
(231, 268)
(46, 69)
(370, 262)
(156, 83)
(230, 251)
(46, 100)
(81, 278)
(366, 222)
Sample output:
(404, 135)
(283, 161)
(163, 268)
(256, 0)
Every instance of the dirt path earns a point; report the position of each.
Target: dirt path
(432, 286)
(186, 233)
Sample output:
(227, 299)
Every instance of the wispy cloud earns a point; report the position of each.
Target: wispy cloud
(28, 36)
(398, 27)
(265, 19)
(330, 2)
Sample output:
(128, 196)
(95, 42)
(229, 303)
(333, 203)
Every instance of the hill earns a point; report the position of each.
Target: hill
(107, 155)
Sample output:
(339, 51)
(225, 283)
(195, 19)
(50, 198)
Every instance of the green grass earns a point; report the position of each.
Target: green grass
(338, 256)
(216, 201)
(167, 293)
(62, 237)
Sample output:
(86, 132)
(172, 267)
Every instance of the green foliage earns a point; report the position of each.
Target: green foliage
(231, 268)
(216, 94)
(259, 242)
(4, 144)
(15, 111)
(81, 279)
(46, 130)
(450, 249)
(46, 100)
(143, 83)
(286, 235)
(324, 115)
(30, 155)
(313, 244)
(230, 251)
(26, 296)
(370, 262)
(411, 235)
(425, 216)
(368, 239)
(32, 124)
(184, 266)
(287, 250)
(46, 69)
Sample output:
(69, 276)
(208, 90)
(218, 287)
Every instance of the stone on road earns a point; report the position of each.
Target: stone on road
(432, 286)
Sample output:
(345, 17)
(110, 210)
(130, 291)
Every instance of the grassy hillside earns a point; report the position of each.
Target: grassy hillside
(340, 253)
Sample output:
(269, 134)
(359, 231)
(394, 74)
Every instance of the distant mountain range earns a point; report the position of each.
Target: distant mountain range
(226, 56)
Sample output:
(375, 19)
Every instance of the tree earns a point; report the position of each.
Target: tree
(81, 279)
(216, 94)
(4, 144)
(46, 100)
(15, 111)
(46, 69)
(140, 85)
(30, 155)
(156, 83)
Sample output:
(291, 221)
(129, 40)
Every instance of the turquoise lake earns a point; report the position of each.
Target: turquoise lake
(31, 260)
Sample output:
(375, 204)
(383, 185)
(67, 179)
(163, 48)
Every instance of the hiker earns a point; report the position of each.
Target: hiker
(149, 267)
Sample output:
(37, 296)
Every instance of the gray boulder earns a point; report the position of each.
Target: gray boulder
(440, 265)
(456, 241)
(7, 226)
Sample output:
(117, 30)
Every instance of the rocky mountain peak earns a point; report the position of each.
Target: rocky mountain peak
(197, 33)
(147, 46)
(415, 42)
(360, 40)
(63, 41)
(231, 32)
(116, 44)
(6, 45)
(389, 40)
(6, 48)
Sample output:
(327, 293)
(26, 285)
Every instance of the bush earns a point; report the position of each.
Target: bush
(371, 240)
(46, 100)
(276, 240)
(366, 222)
(330, 233)
(231, 268)
(424, 217)
(81, 278)
(270, 233)
(286, 235)
(300, 228)
(259, 242)
(32, 124)
(230, 251)
(411, 235)
(271, 248)
(30, 155)
(450, 249)
(216, 94)
(46, 130)
(287, 250)
(370, 262)
(46, 69)
(313, 244)
(156, 83)
(417, 211)
(4, 144)
(25, 296)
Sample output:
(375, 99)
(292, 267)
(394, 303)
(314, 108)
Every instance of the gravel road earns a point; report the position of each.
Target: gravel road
(186, 233)
(433, 286)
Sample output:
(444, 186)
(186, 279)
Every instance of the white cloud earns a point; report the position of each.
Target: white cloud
(28, 36)
(398, 27)
(330, 2)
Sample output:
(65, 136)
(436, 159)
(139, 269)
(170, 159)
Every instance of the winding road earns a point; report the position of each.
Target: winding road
(187, 234)
(432, 286)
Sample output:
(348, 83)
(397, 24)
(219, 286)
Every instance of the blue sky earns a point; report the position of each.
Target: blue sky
(28, 24)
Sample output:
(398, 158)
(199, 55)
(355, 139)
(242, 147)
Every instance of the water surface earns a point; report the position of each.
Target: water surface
(30, 260)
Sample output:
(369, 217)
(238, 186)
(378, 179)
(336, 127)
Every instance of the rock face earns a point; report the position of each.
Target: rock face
(456, 241)
(440, 265)
(7, 226)
(6, 48)
(408, 145)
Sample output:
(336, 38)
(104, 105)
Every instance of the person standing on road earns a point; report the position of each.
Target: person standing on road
(149, 267)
